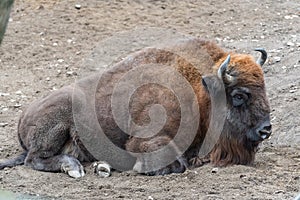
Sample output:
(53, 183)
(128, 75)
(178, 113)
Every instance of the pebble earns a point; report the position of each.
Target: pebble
(3, 124)
(291, 16)
(214, 170)
(243, 176)
(70, 73)
(19, 92)
(277, 59)
(279, 192)
(60, 60)
(290, 44)
(274, 50)
(17, 105)
(77, 6)
(150, 197)
(4, 94)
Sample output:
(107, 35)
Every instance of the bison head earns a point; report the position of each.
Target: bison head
(247, 112)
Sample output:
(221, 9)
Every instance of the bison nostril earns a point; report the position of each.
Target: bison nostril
(265, 133)
(268, 128)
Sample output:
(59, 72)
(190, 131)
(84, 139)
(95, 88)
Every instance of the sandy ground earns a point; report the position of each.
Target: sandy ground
(49, 44)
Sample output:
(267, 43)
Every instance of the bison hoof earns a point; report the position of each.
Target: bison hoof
(198, 162)
(73, 168)
(102, 169)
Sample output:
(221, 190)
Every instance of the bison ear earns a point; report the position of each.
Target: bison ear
(205, 82)
(212, 84)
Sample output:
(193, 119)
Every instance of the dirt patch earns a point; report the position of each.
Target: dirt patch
(48, 44)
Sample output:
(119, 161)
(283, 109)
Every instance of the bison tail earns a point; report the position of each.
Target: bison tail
(19, 160)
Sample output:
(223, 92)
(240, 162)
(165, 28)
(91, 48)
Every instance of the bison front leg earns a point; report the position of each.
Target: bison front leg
(46, 151)
(150, 145)
(102, 169)
(178, 166)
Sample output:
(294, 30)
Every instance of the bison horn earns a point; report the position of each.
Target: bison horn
(263, 56)
(222, 71)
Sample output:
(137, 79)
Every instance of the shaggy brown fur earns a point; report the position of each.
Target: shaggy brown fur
(48, 134)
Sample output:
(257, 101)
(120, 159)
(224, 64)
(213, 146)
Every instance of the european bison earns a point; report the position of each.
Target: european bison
(51, 140)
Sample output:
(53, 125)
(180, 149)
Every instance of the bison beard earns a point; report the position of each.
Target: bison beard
(232, 150)
(49, 136)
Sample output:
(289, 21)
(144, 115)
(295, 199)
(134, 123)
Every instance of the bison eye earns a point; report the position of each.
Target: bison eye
(239, 97)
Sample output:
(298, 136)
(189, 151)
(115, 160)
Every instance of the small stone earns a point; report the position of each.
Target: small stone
(290, 16)
(19, 92)
(55, 44)
(41, 7)
(71, 73)
(275, 50)
(3, 124)
(17, 105)
(287, 17)
(290, 44)
(60, 60)
(277, 59)
(48, 79)
(78, 6)
(150, 197)
(214, 170)
(279, 192)
(6, 169)
(4, 94)
(242, 176)
(293, 91)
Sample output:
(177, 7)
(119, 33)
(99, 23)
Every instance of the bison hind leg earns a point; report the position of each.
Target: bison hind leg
(47, 147)
(19, 160)
(60, 163)
(72, 167)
